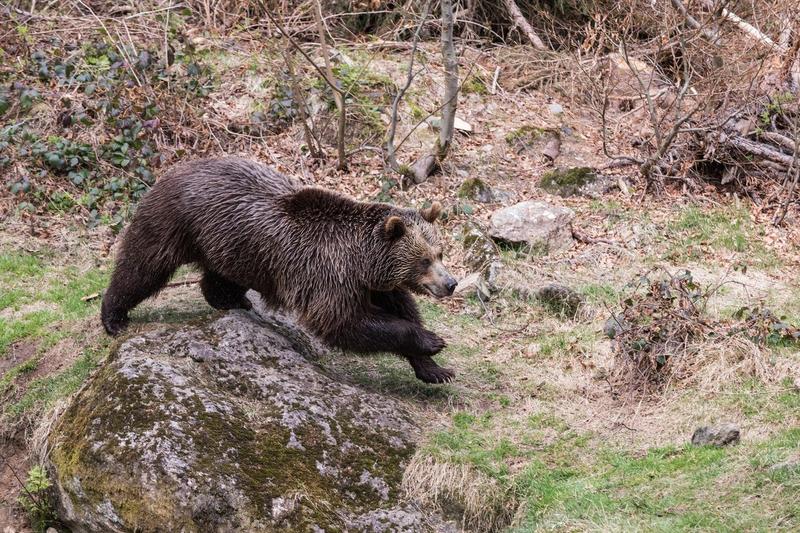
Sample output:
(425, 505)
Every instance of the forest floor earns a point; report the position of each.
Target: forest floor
(539, 429)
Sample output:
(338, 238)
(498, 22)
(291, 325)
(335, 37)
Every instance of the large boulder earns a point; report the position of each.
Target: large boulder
(542, 226)
(227, 426)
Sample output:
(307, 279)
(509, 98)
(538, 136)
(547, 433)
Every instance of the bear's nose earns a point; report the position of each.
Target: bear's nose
(450, 284)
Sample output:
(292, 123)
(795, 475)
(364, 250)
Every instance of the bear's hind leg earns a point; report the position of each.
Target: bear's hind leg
(131, 283)
(223, 294)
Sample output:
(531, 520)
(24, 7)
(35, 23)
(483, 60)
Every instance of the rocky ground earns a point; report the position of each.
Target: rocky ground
(559, 419)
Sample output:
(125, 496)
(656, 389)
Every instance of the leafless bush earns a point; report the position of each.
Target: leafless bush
(664, 336)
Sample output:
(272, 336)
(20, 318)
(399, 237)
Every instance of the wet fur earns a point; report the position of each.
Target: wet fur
(322, 255)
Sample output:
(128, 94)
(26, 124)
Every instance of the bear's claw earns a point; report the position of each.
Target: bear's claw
(436, 375)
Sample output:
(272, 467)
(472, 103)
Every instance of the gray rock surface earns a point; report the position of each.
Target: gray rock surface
(544, 227)
(228, 426)
(479, 250)
(720, 435)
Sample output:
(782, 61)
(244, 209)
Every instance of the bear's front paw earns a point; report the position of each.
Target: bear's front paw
(435, 375)
(431, 343)
(115, 325)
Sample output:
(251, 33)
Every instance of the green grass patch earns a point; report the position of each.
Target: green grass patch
(16, 265)
(697, 231)
(62, 298)
(43, 393)
(69, 291)
(565, 343)
(12, 330)
(568, 481)
(600, 293)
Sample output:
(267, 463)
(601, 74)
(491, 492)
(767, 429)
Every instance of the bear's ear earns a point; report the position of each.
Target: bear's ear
(431, 213)
(394, 227)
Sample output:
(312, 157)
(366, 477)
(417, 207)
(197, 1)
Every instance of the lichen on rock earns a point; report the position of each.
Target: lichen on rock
(227, 426)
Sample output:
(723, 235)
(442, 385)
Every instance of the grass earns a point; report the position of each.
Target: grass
(42, 393)
(576, 340)
(58, 293)
(43, 300)
(697, 233)
(573, 482)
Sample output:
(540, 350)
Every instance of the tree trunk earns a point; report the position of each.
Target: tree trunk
(337, 94)
(425, 166)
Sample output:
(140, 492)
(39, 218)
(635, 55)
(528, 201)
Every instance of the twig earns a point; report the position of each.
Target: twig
(31, 497)
(493, 88)
(693, 23)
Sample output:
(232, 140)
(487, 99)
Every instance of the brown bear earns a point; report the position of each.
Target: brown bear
(346, 268)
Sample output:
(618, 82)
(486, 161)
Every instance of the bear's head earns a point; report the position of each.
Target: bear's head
(416, 252)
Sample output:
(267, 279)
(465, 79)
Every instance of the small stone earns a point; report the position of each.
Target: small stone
(560, 299)
(458, 124)
(474, 284)
(790, 465)
(555, 108)
(283, 508)
(720, 435)
(540, 225)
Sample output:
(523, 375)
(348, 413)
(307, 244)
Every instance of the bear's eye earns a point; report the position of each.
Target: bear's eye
(425, 263)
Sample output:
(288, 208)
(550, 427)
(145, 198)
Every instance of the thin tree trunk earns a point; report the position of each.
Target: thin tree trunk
(337, 95)
(425, 166)
(391, 150)
(450, 80)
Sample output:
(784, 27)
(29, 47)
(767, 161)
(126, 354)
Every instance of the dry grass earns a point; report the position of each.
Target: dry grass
(459, 489)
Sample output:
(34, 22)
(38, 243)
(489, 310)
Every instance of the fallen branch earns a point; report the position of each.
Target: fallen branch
(781, 140)
(523, 25)
(745, 26)
(757, 149)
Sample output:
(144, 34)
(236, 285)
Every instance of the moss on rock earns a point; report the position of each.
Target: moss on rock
(567, 182)
(226, 426)
(475, 189)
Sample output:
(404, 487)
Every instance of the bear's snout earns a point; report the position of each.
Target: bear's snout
(450, 284)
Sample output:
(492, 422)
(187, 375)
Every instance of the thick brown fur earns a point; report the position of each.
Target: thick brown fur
(346, 268)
